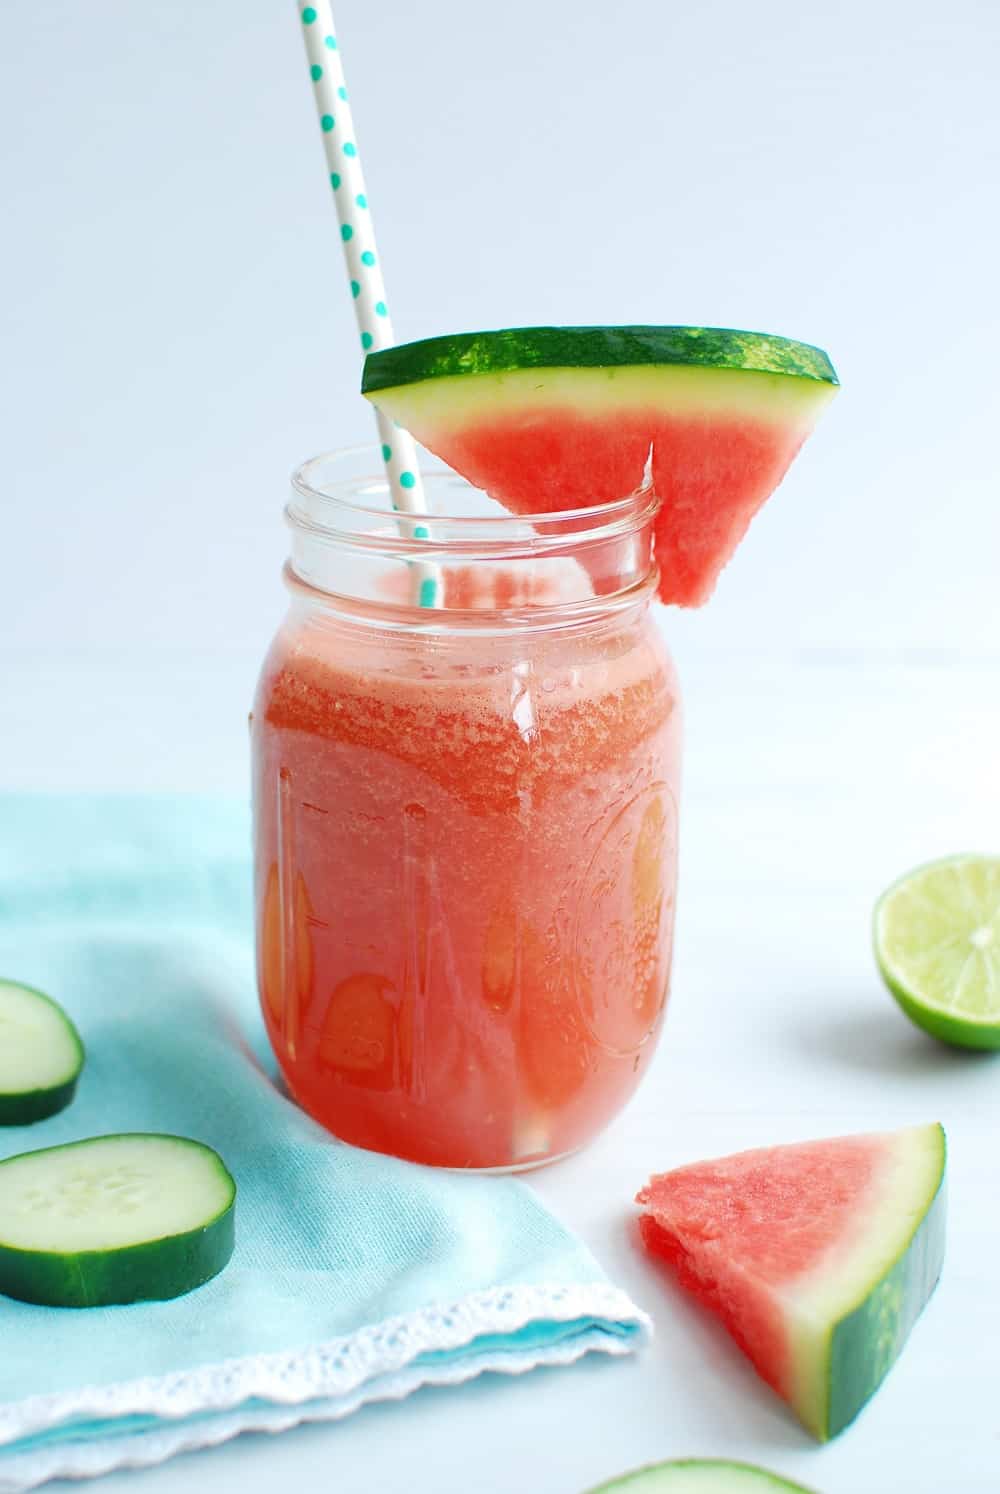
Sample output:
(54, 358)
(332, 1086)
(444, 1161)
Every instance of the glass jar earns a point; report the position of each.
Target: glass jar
(465, 818)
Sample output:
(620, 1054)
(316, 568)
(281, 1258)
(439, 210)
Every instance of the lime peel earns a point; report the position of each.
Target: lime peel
(937, 944)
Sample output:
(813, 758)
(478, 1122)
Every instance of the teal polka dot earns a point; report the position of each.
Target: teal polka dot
(350, 149)
(428, 593)
(407, 480)
(335, 179)
(368, 258)
(421, 532)
(331, 42)
(361, 200)
(315, 72)
(355, 289)
(308, 16)
(327, 122)
(346, 232)
(366, 340)
(343, 93)
(381, 309)
(386, 453)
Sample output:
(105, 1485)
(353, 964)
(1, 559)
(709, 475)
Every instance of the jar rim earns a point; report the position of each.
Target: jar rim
(349, 541)
(337, 508)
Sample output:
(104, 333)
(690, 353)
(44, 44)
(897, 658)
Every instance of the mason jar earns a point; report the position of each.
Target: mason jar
(466, 752)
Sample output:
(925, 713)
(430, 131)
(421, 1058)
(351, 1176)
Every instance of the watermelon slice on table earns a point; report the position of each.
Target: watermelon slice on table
(547, 419)
(818, 1257)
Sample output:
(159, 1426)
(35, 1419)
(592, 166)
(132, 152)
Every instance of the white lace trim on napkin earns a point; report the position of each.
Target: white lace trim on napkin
(270, 1392)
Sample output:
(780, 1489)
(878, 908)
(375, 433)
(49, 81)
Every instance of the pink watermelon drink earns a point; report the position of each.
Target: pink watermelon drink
(466, 860)
(466, 817)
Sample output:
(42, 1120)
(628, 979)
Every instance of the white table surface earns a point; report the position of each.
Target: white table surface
(811, 781)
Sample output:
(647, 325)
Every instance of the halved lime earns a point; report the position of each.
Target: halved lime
(937, 943)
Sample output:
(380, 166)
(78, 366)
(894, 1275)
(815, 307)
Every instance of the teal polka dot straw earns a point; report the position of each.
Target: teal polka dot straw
(357, 237)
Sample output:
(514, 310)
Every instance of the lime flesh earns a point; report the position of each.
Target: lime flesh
(937, 943)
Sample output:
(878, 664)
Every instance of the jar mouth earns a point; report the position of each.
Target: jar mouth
(345, 496)
(349, 542)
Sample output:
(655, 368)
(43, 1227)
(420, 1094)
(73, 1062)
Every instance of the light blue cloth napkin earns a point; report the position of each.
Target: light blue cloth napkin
(355, 1278)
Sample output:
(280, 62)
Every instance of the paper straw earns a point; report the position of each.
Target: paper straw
(357, 234)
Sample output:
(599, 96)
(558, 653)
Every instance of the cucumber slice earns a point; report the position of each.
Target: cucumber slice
(114, 1219)
(701, 1476)
(41, 1056)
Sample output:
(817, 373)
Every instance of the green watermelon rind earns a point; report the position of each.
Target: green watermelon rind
(848, 1321)
(514, 348)
(669, 1478)
(868, 1339)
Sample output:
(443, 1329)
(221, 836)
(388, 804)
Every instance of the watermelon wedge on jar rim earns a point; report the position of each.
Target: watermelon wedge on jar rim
(549, 419)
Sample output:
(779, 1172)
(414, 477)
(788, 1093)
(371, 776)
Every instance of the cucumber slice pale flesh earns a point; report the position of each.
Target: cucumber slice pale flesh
(114, 1219)
(41, 1056)
(700, 1476)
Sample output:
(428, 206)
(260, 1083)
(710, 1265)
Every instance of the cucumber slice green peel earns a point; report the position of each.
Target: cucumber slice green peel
(700, 1476)
(41, 1056)
(114, 1219)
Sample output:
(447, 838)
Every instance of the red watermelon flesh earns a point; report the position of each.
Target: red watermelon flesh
(550, 439)
(711, 476)
(788, 1244)
(711, 483)
(549, 459)
(736, 1228)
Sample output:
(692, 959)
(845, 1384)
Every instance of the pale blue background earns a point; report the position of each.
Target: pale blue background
(176, 336)
(176, 332)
